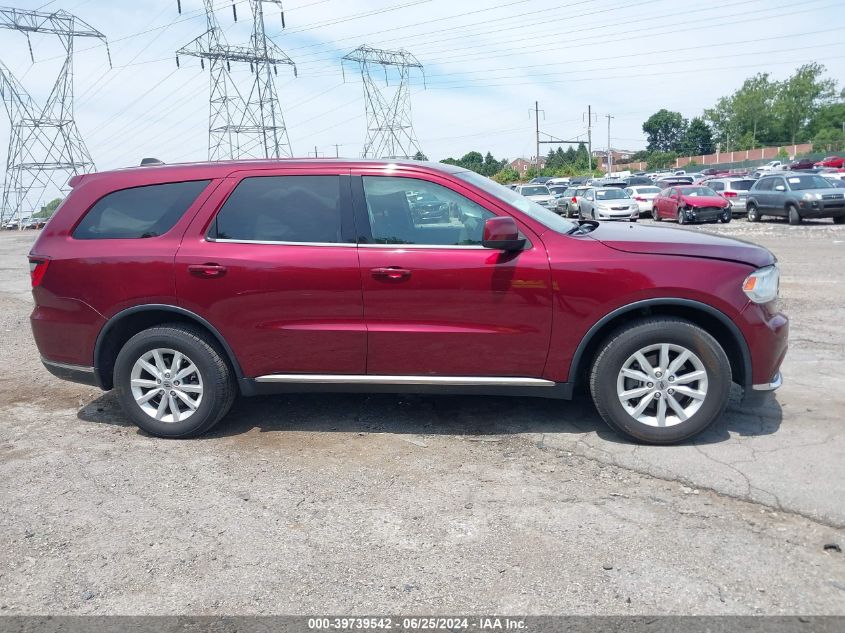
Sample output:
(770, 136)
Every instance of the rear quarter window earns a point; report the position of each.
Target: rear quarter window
(139, 212)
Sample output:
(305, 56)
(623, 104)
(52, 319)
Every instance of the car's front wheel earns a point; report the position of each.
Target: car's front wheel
(794, 215)
(682, 217)
(660, 380)
(173, 381)
(753, 214)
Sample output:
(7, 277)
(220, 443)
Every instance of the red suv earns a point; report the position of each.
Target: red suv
(182, 286)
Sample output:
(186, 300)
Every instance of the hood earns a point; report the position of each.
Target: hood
(540, 198)
(634, 238)
(705, 201)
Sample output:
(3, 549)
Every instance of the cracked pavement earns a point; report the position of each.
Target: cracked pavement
(418, 504)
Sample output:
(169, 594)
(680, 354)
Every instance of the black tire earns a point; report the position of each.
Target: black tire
(753, 214)
(625, 342)
(655, 215)
(794, 216)
(219, 388)
(726, 217)
(682, 217)
(592, 214)
(839, 219)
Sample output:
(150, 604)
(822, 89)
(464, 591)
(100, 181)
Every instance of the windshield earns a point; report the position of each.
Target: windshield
(611, 194)
(799, 183)
(692, 192)
(534, 191)
(558, 190)
(533, 210)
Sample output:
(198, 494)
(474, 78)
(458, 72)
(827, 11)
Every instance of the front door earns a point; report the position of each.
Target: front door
(275, 270)
(437, 303)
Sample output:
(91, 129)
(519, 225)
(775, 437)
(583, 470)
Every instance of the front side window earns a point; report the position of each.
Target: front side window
(764, 185)
(297, 209)
(139, 212)
(413, 211)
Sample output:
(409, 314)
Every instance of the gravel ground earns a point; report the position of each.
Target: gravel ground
(416, 504)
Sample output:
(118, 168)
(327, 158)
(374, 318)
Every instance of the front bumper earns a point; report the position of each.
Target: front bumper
(705, 214)
(822, 208)
(627, 214)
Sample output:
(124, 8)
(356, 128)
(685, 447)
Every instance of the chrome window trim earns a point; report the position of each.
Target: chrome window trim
(450, 246)
(357, 379)
(274, 243)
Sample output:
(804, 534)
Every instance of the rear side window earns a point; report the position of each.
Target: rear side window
(139, 212)
(300, 209)
(741, 185)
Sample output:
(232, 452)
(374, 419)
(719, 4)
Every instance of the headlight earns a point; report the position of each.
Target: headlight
(812, 196)
(761, 286)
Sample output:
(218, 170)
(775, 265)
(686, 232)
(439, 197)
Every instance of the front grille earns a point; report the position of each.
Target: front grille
(833, 196)
(618, 208)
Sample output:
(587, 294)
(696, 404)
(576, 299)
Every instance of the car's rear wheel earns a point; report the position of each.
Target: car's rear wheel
(173, 381)
(753, 214)
(660, 380)
(794, 216)
(839, 220)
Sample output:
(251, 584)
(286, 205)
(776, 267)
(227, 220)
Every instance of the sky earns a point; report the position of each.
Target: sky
(485, 64)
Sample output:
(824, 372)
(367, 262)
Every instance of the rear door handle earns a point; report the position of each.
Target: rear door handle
(391, 272)
(207, 271)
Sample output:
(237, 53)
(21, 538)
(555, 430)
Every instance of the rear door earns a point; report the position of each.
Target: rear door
(436, 302)
(272, 263)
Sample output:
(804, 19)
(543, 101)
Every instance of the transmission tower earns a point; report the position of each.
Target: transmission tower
(390, 132)
(44, 143)
(242, 123)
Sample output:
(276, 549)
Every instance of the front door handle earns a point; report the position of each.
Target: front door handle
(393, 273)
(207, 271)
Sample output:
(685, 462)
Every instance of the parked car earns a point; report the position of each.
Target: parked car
(638, 180)
(665, 183)
(734, 190)
(608, 203)
(569, 206)
(539, 194)
(802, 163)
(795, 197)
(427, 208)
(540, 180)
(182, 286)
(772, 165)
(644, 196)
(558, 181)
(691, 203)
(831, 161)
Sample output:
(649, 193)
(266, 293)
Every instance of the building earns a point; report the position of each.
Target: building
(522, 165)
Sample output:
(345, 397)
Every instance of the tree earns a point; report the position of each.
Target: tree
(800, 97)
(723, 123)
(506, 175)
(665, 131)
(697, 140)
(420, 156)
(830, 139)
(48, 209)
(831, 115)
(752, 107)
(660, 160)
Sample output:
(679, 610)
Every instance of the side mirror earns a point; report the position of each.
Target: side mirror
(780, 188)
(501, 233)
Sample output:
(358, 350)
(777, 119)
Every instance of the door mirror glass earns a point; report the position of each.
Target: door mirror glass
(780, 188)
(502, 233)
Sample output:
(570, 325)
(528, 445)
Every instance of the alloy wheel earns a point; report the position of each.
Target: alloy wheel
(662, 385)
(166, 385)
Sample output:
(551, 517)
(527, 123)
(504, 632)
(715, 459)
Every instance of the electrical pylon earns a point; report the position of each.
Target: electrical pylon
(242, 123)
(44, 143)
(390, 131)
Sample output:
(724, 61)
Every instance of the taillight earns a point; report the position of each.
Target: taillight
(729, 194)
(37, 268)
(573, 199)
(640, 199)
